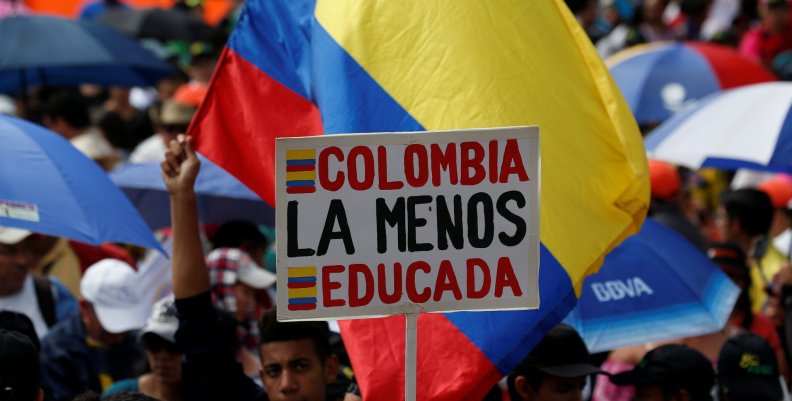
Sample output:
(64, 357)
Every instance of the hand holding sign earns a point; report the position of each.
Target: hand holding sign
(402, 223)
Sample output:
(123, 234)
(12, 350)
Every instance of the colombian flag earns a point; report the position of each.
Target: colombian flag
(302, 67)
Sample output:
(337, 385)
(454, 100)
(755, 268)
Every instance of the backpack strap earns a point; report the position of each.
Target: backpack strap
(46, 299)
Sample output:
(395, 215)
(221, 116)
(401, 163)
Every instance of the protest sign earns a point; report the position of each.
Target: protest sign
(393, 223)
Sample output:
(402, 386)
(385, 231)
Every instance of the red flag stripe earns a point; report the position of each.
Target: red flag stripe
(300, 168)
(300, 190)
(302, 307)
(253, 144)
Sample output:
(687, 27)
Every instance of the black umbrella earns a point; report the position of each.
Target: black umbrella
(157, 23)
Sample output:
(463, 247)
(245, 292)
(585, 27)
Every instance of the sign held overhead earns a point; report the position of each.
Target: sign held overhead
(391, 223)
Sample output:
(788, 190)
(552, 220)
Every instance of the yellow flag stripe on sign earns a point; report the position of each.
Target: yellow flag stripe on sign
(302, 272)
(302, 292)
(300, 175)
(300, 154)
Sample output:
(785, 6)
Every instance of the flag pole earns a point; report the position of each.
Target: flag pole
(410, 356)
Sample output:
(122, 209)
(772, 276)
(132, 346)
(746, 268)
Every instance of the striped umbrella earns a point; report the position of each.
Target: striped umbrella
(747, 127)
(662, 78)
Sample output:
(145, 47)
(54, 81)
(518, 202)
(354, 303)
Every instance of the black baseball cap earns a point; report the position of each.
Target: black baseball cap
(561, 353)
(19, 370)
(748, 369)
(21, 323)
(672, 365)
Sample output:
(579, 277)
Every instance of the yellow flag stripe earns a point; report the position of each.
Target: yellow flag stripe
(299, 154)
(309, 271)
(302, 292)
(300, 175)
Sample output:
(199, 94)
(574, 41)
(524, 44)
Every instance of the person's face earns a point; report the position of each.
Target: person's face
(164, 358)
(15, 261)
(169, 132)
(119, 94)
(588, 14)
(167, 87)
(202, 70)
(291, 371)
(775, 310)
(775, 18)
(256, 253)
(653, 10)
(245, 301)
(724, 225)
(55, 124)
(553, 388)
(94, 327)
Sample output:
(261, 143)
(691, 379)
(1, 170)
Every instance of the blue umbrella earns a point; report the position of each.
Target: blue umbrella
(47, 186)
(41, 50)
(221, 197)
(654, 286)
(661, 78)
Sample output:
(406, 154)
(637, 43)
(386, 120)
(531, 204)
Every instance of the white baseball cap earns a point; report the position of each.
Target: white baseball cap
(12, 236)
(112, 287)
(254, 276)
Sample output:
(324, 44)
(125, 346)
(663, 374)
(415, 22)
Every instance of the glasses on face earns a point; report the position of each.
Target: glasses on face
(175, 128)
(154, 343)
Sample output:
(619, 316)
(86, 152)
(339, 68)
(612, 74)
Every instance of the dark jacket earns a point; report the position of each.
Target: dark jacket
(69, 365)
(209, 369)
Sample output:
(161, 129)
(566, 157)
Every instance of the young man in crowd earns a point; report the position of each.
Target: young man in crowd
(744, 219)
(43, 300)
(297, 364)
(748, 370)
(555, 370)
(96, 347)
(672, 372)
(67, 114)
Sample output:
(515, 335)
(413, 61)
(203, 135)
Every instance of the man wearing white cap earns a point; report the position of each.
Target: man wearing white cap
(44, 300)
(95, 348)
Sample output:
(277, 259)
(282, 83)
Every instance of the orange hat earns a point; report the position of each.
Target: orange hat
(779, 189)
(191, 94)
(665, 181)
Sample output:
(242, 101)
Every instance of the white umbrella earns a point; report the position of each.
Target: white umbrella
(747, 127)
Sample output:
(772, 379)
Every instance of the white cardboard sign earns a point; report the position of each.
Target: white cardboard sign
(391, 223)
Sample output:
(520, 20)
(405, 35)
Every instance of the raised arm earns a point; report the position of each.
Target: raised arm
(179, 169)
(209, 369)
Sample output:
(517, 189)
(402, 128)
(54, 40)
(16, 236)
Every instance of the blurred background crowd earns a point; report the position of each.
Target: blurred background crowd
(741, 219)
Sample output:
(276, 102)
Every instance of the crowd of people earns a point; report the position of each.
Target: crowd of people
(758, 29)
(75, 325)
